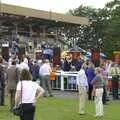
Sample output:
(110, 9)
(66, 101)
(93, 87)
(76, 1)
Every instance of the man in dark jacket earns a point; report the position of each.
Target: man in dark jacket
(2, 82)
(12, 79)
(35, 71)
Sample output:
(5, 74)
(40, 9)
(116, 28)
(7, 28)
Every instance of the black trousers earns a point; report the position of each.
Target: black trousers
(104, 95)
(90, 92)
(115, 80)
(28, 111)
(2, 96)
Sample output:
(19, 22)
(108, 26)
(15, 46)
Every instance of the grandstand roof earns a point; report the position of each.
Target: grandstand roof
(45, 15)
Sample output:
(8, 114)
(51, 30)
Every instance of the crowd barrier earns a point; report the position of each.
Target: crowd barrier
(68, 81)
(65, 81)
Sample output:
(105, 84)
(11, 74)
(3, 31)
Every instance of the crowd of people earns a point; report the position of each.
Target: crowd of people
(17, 79)
(93, 81)
(31, 78)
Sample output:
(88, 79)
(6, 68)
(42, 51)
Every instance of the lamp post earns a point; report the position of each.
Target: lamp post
(95, 51)
(0, 7)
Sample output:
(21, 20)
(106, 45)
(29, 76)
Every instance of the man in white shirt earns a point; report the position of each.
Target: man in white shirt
(82, 89)
(44, 73)
(24, 65)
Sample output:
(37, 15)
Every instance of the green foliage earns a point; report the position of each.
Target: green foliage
(104, 27)
(111, 31)
(82, 11)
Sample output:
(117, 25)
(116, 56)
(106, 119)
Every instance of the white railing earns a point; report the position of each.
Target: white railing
(65, 81)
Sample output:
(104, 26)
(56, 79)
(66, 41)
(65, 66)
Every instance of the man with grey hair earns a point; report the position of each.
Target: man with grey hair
(12, 79)
(44, 72)
(82, 89)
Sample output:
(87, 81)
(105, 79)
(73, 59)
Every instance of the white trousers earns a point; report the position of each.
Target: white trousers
(98, 102)
(82, 99)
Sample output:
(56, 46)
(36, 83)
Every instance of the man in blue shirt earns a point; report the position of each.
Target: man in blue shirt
(90, 72)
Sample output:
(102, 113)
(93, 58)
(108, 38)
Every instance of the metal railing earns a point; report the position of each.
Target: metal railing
(68, 81)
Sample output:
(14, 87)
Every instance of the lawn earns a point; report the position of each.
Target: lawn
(64, 109)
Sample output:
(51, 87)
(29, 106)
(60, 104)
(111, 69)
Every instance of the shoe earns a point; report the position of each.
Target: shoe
(45, 96)
(11, 110)
(81, 113)
(2, 104)
(105, 104)
(98, 115)
(51, 95)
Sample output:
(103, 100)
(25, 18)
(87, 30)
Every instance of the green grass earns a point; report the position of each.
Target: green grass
(64, 109)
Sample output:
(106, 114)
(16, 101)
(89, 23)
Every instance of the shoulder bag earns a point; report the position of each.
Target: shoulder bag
(18, 111)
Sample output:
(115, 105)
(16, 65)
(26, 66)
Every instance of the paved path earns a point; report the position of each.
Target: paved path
(74, 95)
(65, 94)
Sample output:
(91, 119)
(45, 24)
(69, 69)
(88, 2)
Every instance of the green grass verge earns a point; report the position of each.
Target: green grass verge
(64, 109)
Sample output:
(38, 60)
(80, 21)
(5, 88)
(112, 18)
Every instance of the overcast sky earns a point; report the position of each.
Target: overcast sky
(60, 6)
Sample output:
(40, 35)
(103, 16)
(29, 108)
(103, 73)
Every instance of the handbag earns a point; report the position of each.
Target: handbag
(18, 111)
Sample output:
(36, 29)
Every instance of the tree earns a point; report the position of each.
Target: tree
(111, 30)
(104, 27)
(90, 34)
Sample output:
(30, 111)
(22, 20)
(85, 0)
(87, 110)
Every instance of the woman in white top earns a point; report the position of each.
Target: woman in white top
(31, 91)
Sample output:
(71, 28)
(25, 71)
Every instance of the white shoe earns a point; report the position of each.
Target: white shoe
(98, 115)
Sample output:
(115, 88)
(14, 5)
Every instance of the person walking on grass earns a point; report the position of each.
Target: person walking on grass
(90, 72)
(27, 93)
(98, 83)
(82, 89)
(12, 79)
(44, 72)
(115, 73)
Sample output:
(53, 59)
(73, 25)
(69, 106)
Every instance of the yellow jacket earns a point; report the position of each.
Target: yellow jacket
(114, 71)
